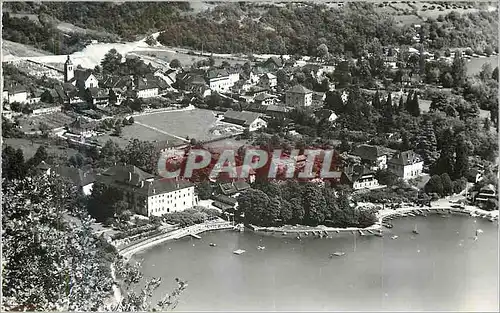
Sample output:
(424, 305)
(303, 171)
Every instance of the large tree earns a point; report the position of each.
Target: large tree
(427, 144)
(111, 61)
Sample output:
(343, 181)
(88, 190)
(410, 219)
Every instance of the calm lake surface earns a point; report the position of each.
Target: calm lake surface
(442, 268)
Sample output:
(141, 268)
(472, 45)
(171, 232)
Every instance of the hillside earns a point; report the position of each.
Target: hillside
(277, 28)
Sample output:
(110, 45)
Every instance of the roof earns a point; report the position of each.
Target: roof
(269, 76)
(274, 60)
(98, 92)
(369, 152)
(215, 73)
(244, 118)
(68, 61)
(82, 74)
(134, 179)
(406, 158)
(120, 82)
(80, 124)
(325, 114)
(77, 176)
(144, 83)
(276, 108)
(14, 88)
(299, 89)
(263, 96)
(353, 173)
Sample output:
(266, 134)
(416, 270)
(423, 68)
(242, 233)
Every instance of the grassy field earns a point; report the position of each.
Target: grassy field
(140, 132)
(197, 123)
(29, 148)
(53, 120)
(474, 65)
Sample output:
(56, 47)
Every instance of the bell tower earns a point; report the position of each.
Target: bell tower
(69, 71)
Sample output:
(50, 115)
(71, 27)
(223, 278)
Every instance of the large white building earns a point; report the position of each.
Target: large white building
(406, 165)
(221, 80)
(149, 195)
(81, 78)
(298, 96)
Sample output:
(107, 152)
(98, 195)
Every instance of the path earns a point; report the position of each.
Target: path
(161, 131)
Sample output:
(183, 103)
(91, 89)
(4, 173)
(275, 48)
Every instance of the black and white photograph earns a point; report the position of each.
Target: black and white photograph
(258, 156)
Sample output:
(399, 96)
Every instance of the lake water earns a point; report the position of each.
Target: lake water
(442, 268)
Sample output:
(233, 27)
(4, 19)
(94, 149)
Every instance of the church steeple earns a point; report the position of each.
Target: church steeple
(69, 71)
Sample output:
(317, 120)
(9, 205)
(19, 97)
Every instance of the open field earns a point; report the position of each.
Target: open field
(199, 124)
(53, 120)
(474, 65)
(29, 148)
(140, 132)
(21, 50)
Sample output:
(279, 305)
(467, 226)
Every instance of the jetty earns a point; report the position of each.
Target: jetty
(195, 236)
(360, 232)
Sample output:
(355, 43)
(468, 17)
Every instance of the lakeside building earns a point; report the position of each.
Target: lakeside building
(374, 157)
(359, 177)
(406, 164)
(147, 194)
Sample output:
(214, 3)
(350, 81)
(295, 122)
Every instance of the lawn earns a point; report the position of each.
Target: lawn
(53, 120)
(199, 124)
(29, 148)
(474, 65)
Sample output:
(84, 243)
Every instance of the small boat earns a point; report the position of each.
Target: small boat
(212, 244)
(261, 247)
(284, 233)
(394, 237)
(239, 251)
(337, 254)
(415, 230)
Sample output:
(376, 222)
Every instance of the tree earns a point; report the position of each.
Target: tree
(142, 154)
(131, 120)
(427, 144)
(255, 204)
(50, 263)
(447, 184)
(175, 63)
(40, 155)
(333, 101)
(462, 158)
(494, 74)
(446, 159)
(434, 185)
(487, 124)
(413, 106)
(458, 70)
(314, 205)
(204, 189)
(13, 166)
(447, 80)
(322, 50)
(151, 41)
(486, 72)
(111, 61)
(118, 130)
(376, 101)
(76, 160)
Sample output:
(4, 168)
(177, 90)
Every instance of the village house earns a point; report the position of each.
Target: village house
(149, 195)
(35, 96)
(146, 88)
(374, 157)
(268, 80)
(272, 64)
(15, 93)
(221, 80)
(277, 111)
(264, 99)
(359, 177)
(45, 108)
(486, 195)
(325, 114)
(98, 97)
(249, 120)
(83, 180)
(318, 98)
(81, 128)
(406, 164)
(298, 96)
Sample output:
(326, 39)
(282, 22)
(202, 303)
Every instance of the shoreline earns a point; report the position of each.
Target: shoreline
(381, 216)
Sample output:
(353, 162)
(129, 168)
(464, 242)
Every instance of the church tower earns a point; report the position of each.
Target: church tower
(69, 71)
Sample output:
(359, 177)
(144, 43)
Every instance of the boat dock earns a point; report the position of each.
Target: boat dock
(195, 236)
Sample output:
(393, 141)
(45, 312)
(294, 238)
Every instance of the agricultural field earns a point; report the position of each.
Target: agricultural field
(52, 120)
